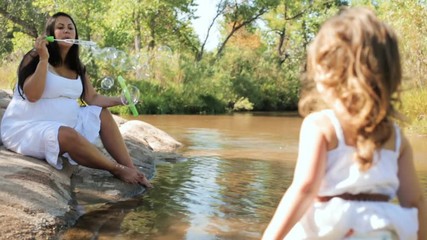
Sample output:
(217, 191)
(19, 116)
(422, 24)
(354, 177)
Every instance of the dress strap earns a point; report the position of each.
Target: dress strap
(337, 125)
(398, 138)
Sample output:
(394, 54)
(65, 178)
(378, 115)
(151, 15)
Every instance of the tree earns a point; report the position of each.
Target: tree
(25, 17)
(88, 14)
(409, 20)
(295, 23)
(239, 14)
(220, 9)
(18, 16)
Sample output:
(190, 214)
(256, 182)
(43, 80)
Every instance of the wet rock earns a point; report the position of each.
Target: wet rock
(37, 201)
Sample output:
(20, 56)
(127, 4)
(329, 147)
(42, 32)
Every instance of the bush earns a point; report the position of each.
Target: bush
(414, 107)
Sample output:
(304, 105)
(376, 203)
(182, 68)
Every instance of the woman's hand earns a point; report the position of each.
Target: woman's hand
(40, 46)
(34, 84)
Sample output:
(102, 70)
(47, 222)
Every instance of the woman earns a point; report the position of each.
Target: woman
(44, 119)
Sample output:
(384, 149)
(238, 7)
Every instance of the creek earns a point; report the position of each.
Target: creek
(235, 170)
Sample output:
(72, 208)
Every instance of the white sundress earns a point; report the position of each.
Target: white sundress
(334, 219)
(31, 128)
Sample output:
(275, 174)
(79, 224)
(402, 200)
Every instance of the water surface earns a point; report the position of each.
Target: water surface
(236, 169)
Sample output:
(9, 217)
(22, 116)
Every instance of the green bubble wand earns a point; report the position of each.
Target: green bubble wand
(127, 96)
(121, 80)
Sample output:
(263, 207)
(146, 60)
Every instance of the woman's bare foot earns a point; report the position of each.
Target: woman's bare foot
(144, 180)
(130, 175)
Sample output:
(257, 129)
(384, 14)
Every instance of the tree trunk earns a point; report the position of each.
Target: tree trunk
(27, 27)
(236, 27)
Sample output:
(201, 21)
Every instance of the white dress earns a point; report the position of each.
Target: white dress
(335, 218)
(32, 128)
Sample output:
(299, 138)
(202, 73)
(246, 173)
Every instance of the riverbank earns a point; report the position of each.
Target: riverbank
(38, 201)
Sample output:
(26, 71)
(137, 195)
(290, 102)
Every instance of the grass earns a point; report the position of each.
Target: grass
(8, 74)
(414, 106)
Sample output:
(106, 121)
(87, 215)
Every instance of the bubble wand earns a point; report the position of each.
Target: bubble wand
(121, 80)
(127, 96)
(72, 41)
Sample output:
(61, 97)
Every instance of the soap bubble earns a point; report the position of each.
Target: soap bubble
(108, 53)
(95, 50)
(143, 71)
(107, 83)
(165, 49)
(121, 61)
(83, 43)
(163, 53)
(134, 94)
(134, 62)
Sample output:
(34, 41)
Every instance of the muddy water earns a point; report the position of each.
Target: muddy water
(236, 169)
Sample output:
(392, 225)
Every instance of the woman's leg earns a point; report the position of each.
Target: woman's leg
(112, 139)
(113, 142)
(86, 154)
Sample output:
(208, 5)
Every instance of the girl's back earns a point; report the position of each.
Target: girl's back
(352, 160)
(353, 201)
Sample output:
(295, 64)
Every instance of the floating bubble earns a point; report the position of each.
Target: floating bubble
(121, 61)
(108, 53)
(134, 95)
(164, 53)
(107, 83)
(83, 43)
(95, 50)
(165, 49)
(142, 71)
(134, 62)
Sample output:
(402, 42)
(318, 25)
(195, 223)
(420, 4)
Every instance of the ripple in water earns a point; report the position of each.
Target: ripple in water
(200, 198)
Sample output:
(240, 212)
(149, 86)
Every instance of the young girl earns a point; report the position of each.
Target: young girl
(353, 159)
(44, 119)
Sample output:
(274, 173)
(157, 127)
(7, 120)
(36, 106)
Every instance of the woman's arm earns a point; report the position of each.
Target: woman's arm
(91, 97)
(308, 175)
(34, 85)
(410, 193)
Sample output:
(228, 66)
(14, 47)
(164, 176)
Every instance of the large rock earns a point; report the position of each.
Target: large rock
(37, 201)
(141, 132)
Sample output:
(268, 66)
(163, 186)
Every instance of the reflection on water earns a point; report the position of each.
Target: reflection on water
(212, 198)
(198, 198)
(236, 170)
(243, 136)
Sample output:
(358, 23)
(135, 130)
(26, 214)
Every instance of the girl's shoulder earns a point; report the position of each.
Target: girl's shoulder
(320, 121)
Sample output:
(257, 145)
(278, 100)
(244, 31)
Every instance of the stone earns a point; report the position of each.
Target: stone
(38, 201)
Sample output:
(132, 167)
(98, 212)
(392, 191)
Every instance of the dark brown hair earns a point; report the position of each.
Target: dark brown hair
(30, 60)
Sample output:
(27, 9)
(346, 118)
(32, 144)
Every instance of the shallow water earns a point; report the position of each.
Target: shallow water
(236, 169)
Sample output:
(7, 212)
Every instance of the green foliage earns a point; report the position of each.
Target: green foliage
(25, 16)
(259, 70)
(243, 104)
(6, 44)
(414, 107)
(22, 43)
(409, 19)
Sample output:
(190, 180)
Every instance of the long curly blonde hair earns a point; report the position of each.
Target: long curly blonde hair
(355, 57)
